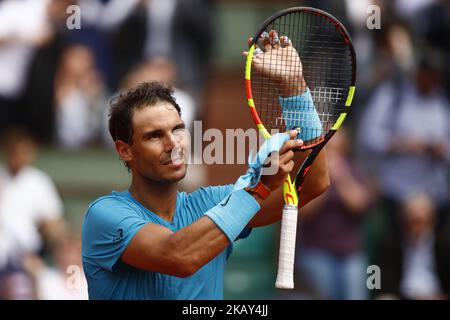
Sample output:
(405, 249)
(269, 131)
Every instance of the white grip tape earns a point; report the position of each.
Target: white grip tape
(285, 276)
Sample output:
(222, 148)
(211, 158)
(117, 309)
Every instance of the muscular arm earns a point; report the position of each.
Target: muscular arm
(158, 249)
(317, 181)
(53, 230)
(182, 253)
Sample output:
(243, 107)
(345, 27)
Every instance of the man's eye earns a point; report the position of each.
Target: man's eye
(155, 135)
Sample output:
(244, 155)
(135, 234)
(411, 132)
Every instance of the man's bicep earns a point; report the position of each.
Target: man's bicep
(53, 230)
(149, 249)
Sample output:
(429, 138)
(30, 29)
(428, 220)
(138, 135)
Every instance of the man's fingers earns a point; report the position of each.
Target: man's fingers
(257, 53)
(274, 39)
(293, 133)
(288, 167)
(286, 157)
(250, 41)
(292, 143)
(257, 48)
(277, 163)
(285, 41)
(264, 41)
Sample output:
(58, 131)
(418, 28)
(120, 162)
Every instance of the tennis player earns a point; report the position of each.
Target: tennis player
(155, 242)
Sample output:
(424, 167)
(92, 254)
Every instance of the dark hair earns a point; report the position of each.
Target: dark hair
(123, 106)
(12, 136)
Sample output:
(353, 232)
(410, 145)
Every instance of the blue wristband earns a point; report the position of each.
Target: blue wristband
(300, 112)
(233, 213)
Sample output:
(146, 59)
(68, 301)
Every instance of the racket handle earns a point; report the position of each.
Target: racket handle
(285, 276)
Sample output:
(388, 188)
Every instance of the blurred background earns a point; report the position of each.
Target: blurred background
(388, 203)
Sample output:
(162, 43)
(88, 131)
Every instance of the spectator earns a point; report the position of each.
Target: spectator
(23, 29)
(30, 208)
(415, 262)
(80, 98)
(178, 30)
(406, 129)
(65, 280)
(16, 284)
(436, 31)
(331, 259)
(164, 70)
(102, 22)
(181, 30)
(410, 9)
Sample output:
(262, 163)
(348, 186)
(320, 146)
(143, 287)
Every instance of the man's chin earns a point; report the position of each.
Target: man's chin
(178, 174)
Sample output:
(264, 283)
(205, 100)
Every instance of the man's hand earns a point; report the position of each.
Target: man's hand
(281, 162)
(278, 60)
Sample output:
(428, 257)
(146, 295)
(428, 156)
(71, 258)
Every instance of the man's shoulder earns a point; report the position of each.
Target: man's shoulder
(114, 199)
(34, 181)
(35, 175)
(107, 209)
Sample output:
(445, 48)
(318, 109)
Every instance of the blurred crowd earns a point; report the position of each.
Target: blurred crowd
(388, 204)
(55, 85)
(57, 81)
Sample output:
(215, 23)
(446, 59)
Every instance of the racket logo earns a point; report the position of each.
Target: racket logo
(288, 197)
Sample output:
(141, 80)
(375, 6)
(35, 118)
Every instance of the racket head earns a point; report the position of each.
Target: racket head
(328, 65)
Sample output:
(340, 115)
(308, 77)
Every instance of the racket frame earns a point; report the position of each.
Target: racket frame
(285, 279)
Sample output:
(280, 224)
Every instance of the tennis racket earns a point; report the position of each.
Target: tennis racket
(296, 53)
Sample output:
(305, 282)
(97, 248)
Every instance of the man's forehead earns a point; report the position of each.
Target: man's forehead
(156, 116)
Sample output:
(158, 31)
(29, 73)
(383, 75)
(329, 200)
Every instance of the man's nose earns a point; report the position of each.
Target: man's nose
(171, 142)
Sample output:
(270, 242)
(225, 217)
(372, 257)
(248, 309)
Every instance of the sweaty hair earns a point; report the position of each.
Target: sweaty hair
(122, 107)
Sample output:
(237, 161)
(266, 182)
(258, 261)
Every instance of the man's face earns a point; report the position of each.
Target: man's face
(160, 143)
(20, 155)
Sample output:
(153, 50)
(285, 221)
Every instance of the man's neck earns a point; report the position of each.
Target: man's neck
(159, 198)
(14, 171)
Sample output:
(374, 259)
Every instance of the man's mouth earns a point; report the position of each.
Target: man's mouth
(178, 161)
(175, 160)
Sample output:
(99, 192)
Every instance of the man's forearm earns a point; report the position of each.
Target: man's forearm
(201, 241)
(292, 88)
(317, 181)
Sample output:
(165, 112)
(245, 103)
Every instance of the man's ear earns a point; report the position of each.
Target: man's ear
(124, 150)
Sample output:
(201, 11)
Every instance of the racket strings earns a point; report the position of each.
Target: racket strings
(325, 65)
